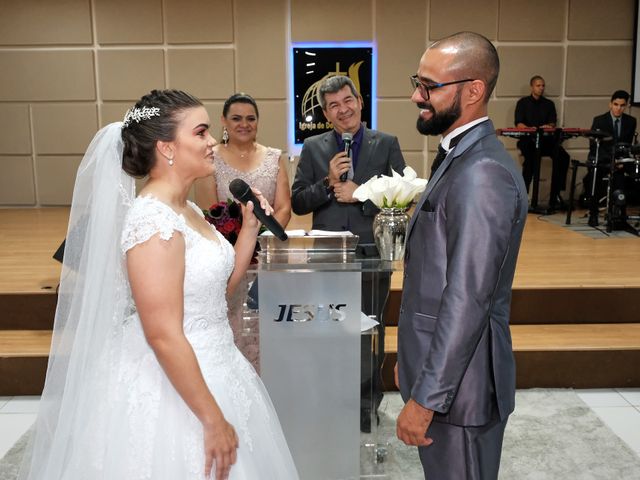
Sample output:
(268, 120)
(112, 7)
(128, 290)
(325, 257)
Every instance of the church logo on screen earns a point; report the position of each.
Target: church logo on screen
(311, 66)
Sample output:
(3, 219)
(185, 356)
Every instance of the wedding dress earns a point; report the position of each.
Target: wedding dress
(108, 411)
(161, 436)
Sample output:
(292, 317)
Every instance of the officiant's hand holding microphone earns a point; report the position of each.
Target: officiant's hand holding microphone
(339, 167)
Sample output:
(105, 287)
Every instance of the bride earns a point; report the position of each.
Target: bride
(144, 380)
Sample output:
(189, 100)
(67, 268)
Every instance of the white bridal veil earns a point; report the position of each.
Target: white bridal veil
(92, 300)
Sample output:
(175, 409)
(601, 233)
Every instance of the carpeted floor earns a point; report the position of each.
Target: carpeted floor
(552, 435)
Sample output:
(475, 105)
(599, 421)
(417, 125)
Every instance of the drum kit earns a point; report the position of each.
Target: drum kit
(629, 156)
(625, 169)
(622, 176)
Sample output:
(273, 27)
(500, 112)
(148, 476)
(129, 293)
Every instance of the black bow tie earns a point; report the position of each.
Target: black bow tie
(442, 153)
(440, 156)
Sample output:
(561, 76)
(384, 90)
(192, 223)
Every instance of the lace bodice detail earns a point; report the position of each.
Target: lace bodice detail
(208, 264)
(263, 177)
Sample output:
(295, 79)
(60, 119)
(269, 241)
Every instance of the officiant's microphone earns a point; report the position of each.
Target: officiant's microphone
(243, 193)
(347, 138)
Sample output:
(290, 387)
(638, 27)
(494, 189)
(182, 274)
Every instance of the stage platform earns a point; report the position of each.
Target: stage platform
(575, 313)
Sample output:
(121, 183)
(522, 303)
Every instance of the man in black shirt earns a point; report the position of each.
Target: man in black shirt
(537, 111)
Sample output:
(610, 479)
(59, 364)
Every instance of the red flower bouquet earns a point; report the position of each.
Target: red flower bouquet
(227, 218)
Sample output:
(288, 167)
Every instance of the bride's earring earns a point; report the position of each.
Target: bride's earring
(167, 157)
(225, 136)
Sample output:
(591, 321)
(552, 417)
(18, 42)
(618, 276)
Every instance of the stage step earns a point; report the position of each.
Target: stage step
(561, 355)
(24, 343)
(553, 305)
(27, 311)
(23, 361)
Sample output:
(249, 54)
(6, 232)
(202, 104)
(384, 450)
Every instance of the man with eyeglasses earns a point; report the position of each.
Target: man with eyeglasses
(535, 110)
(324, 184)
(455, 369)
(440, 118)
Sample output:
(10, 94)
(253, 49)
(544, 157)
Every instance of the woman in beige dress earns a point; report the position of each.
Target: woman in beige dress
(241, 156)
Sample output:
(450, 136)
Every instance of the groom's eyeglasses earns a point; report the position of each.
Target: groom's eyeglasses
(425, 89)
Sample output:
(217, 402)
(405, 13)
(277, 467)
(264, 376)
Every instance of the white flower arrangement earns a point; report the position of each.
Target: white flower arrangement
(397, 191)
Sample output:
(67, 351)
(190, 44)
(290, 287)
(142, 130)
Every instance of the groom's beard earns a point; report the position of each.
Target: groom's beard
(440, 121)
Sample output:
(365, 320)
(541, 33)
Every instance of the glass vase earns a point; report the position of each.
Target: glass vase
(389, 232)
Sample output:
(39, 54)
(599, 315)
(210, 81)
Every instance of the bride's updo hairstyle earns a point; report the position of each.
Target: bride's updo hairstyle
(154, 117)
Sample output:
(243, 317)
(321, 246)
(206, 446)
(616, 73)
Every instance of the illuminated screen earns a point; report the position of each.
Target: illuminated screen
(311, 64)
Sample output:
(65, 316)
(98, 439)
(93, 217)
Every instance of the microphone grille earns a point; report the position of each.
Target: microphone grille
(347, 137)
(238, 188)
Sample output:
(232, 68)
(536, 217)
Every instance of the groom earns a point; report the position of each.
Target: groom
(455, 368)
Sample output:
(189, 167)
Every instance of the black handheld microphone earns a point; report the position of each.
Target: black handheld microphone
(243, 193)
(347, 139)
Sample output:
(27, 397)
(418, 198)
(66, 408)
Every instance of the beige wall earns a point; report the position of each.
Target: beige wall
(69, 67)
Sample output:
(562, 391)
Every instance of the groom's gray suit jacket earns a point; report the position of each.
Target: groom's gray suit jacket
(454, 344)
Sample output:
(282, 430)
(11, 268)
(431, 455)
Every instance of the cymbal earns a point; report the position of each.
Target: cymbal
(597, 134)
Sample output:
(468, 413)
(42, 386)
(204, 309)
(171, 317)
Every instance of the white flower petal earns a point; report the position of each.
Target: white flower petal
(409, 173)
(395, 191)
(363, 192)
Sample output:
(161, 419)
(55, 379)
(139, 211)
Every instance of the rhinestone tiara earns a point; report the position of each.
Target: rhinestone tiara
(137, 114)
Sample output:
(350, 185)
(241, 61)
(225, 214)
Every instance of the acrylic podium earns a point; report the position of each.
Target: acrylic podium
(309, 309)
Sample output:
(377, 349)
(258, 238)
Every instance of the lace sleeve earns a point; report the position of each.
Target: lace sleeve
(146, 218)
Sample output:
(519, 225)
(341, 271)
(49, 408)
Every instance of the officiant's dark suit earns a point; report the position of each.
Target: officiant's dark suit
(456, 369)
(379, 153)
(317, 189)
